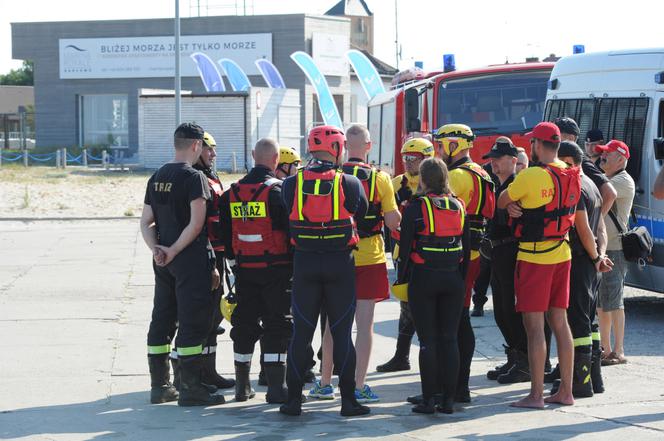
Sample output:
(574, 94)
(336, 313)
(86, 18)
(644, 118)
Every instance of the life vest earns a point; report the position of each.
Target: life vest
(256, 243)
(553, 220)
(439, 242)
(482, 204)
(372, 223)
(319, 220)
(212, 220)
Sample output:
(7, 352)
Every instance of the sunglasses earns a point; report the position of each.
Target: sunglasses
(410, 158)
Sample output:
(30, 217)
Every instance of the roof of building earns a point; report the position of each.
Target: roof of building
(350, 7)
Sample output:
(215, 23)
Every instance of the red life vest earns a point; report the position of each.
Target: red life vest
(439, 242)
(553, 220)
(319, 220)
(372, 223)
(255, 242)
(212, 220)
(482, 204)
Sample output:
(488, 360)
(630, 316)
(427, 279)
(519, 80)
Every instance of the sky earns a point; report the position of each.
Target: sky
(479, 33)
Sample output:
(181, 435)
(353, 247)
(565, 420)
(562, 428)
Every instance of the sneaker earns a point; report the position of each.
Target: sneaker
(322, 392)
(366, 395)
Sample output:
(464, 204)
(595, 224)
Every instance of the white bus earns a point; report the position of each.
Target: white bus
(622, 94)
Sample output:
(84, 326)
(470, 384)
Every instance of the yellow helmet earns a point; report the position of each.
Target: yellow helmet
(209, 141)
(400, 291)
(459, 133)
(227, 306)
(288, 155)
(418, 145)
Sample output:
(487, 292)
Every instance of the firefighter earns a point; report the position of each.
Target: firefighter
(173, 227)
(413, 152)
(323, 204)
(254, 224)
(433, 255)
(289, 162)
(205, 165)
(542, 201)
(474, 186)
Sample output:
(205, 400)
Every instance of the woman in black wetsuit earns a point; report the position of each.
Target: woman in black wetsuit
(432, 260)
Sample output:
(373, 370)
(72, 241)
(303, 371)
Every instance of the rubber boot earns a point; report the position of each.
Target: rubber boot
(161, 391)
(496, 372)
(309, 376)
(596, 368)
(462, 394)
(519, 372)
(427, 406)
(210, 375)
(415, 399)
(445, 404)
(176, 372)
(401, 359)
(275, 373)
(262, 381)
(349, 405)
(192, 391)
(550, 377)
(293, 405)
(243, 390)
(582, 386)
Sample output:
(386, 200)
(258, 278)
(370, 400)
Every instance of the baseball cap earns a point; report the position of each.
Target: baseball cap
(545, 131)
(189, 131)
(567, 125)
(502, 147)
(594, 135)
(614, 146)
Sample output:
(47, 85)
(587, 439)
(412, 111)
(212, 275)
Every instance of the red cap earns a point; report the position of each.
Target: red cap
(545, 131)
(614, 146)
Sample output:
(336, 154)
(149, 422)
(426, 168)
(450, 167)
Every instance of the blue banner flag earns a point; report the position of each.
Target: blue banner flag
(366, 73)
(209, 73)
(325, 100)
(236, 76)
(270, 74)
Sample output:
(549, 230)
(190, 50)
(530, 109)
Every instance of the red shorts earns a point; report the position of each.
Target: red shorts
(371, 282)
(539, 287)
(472, 273)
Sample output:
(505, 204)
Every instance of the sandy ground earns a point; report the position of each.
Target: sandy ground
(47, 192)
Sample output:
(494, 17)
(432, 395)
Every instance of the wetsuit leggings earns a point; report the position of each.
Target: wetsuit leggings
(482, 282)
(436, 302)
(322, 280)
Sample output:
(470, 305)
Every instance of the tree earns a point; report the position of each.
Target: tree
(23, 76)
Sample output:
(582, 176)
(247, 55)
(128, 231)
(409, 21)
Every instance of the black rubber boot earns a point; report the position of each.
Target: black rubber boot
(426, 406)
(275, 374)
(478, 311)
(445, 404)
(262, 381)
(550, 377)
(161, 391)
(401, 359)
(243, 390)
(210, 375)
(462, 395)
(192, 391)
(582, 386)
(415, 399)
(596, 368)
(176, 372)
(349, 405)
(293, 406)
(496, 372)
(309, 376)
(519, 372)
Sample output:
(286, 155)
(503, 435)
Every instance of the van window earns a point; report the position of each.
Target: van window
(580, 110)
(660, 122)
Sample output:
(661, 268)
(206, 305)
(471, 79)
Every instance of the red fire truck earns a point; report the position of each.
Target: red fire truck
(505, 99)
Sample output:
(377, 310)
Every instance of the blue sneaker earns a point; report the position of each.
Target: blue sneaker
(322, 392)
(366, 395)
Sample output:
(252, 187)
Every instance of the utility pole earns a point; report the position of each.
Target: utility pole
(177, 63)
(396, 32)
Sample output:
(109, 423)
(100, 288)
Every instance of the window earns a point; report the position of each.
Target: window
(104, 120)
(494, 103)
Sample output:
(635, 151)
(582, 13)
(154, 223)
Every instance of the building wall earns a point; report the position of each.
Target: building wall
(11, 97)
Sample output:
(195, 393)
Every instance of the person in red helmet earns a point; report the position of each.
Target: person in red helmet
(324, 206)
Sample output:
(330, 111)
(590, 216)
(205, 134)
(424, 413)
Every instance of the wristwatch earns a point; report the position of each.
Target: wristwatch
(596, 259)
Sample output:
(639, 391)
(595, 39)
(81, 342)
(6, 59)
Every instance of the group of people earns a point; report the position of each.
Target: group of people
(305, 243)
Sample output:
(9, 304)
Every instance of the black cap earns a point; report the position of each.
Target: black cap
(594, 135)
(189, 131)
(502, 147)
(567, 125)
(570, 149)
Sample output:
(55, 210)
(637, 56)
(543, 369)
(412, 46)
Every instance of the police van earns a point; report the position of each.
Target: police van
(622, 94)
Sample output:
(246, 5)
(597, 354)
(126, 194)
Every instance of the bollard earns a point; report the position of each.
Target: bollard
(104, 159)
(84, 156)
(234, 162)
(25, 158)
(64, 158)
(58, 158)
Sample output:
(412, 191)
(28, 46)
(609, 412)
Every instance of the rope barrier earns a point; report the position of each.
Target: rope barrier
(94, 158)
(41, 159)
(16, 158)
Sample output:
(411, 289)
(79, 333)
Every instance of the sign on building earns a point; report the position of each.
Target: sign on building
(329, 53)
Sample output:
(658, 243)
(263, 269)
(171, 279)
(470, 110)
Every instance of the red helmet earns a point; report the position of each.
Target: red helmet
(328, 139)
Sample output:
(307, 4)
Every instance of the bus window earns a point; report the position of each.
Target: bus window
(493, 103)
(624, 119)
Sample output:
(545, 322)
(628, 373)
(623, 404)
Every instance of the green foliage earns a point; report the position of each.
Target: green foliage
(23, 76)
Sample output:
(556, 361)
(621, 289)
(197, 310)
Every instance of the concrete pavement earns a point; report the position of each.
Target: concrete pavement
(75, 300)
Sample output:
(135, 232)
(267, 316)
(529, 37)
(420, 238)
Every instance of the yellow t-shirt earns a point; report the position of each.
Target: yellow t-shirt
(411, 180)
(533, 188)
(461, 184)
(371, 250)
